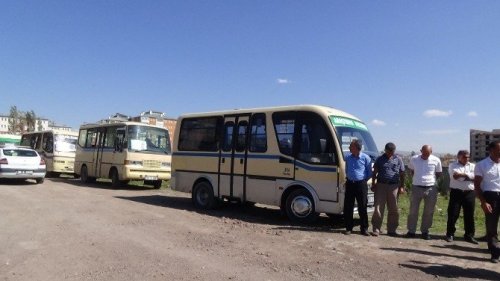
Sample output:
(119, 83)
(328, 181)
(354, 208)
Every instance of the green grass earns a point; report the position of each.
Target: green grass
(440, 217)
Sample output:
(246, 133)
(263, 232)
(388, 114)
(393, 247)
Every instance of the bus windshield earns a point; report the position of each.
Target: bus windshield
(148, 139)
(350, 129)
(65, 143)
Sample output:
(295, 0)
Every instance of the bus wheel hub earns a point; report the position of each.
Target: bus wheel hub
(301, 206)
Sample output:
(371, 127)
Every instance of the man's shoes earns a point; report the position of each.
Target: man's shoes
(494, 260)
(375, 233)
(410, 235)
(347, 232)
(471, 239)
(426, 236)
(365, 233)
(392, 234)
(449, 238)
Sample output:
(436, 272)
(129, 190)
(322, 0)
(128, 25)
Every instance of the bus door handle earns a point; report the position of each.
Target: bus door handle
(241, 161)
(223, 160)
(285, 160)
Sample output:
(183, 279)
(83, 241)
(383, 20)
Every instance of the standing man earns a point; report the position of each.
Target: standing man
(461, 196)
(487, 187)
(425, 169)
(387, 182)
(358, 171)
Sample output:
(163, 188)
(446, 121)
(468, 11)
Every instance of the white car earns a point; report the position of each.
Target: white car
(21, 163)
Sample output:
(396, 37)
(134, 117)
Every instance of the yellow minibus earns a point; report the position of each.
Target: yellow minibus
(56, 147)
(122, 152)
(290, 156)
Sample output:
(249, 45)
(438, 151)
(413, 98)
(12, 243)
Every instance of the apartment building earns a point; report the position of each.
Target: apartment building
(479, 140)
(41, 124)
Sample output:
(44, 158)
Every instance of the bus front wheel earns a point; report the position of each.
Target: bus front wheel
(157, 184)
(115, 178)
(203, 196)
(300, 207)
(84, 175)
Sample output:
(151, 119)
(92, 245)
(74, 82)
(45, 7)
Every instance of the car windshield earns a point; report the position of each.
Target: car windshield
(19, 152)
(349, 130)
(148, 139)
(65, 143)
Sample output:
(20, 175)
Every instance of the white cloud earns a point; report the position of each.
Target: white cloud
(472, 114)
(377, 122)
(440, 132)
(437, 113)
(283, 81)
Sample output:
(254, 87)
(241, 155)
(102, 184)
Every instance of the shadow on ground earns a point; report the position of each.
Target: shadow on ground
(260, 214)
(451, 271)
(435, 254)
(101, 184)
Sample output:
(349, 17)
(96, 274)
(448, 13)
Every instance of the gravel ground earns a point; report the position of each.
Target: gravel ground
(63, 230)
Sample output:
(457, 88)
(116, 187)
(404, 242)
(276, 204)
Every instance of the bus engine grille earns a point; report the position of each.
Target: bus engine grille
(151, 164)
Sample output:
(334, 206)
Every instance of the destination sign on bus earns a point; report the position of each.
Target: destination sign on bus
(339, 121)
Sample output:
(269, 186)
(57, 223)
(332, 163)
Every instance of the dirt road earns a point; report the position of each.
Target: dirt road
(63, 230)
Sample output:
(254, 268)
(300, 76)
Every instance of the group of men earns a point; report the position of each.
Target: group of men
(467, 181)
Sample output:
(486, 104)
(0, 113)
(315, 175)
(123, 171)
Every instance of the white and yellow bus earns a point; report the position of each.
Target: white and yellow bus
(56, 147)
(291, 157)
(122, 152)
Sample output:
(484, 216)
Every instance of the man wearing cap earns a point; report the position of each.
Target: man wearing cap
(461, 196)
(487, 187)
(387, 182)
(425, 169)
(358, 171)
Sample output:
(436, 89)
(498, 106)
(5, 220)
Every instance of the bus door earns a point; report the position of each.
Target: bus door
(98, 151)
(316, 160)
(233, 157)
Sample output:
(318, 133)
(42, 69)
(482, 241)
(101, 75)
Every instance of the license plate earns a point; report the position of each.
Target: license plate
(150, 178)
(24, 172)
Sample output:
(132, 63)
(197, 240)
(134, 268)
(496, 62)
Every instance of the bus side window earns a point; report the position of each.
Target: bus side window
(48, 143)
(258, 135)
(284, 125)
(241, 142)
(316, 144)
(119, 138)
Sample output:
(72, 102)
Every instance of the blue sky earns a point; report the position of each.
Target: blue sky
(417, 72)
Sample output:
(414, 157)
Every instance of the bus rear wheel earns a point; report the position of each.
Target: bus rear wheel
(203, 196)
(300, 207)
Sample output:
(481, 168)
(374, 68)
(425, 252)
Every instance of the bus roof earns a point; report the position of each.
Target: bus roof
(124, 123)
(315, 108)
(54, 131)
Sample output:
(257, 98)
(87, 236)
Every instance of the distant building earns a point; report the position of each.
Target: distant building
(118, 117)
(158, 119)
(60, 127)
(479, 140)
(41, 124)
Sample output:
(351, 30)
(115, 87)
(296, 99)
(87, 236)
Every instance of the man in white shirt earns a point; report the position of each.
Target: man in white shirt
(487, 187)
(461, 196)
(425, 169)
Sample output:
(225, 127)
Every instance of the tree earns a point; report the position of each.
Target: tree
(30, 118)
(13, 120)
(39, 125)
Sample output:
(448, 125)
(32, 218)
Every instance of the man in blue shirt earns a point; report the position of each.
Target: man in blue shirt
(358, 171)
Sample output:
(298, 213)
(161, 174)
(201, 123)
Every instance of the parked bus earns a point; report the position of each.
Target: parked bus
(291, 157)
(56, 147)
(122, 152)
